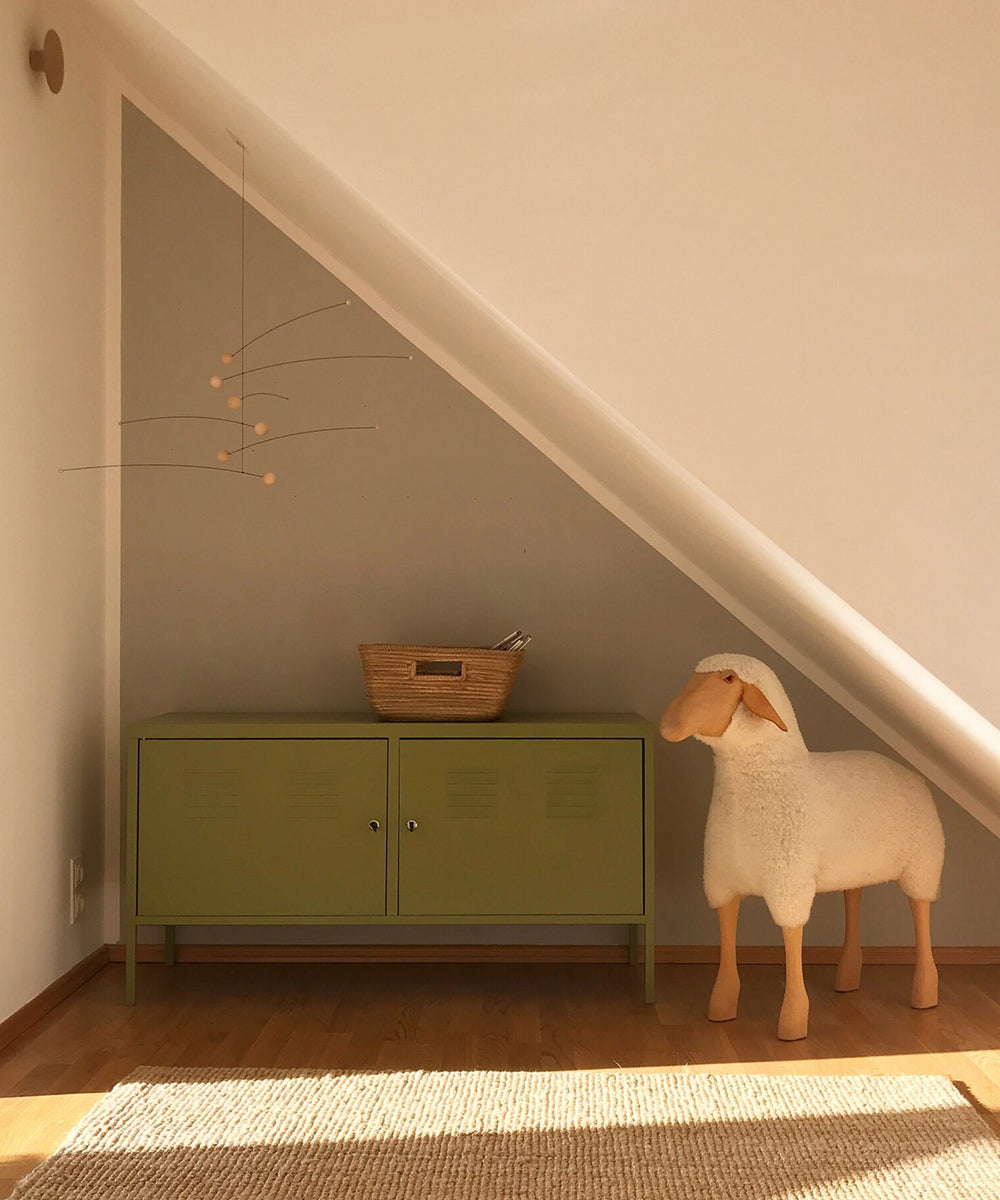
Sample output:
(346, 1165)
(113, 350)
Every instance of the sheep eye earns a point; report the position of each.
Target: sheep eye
(728, 678)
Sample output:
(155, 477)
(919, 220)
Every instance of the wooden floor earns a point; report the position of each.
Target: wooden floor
(450, 1017)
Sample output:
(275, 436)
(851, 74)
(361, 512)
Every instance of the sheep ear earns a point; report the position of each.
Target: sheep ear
(760, 706)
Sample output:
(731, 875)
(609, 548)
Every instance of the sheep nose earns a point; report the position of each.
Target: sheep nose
(672, 727)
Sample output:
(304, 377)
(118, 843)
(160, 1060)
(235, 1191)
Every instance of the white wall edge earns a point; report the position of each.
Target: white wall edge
(111, 889)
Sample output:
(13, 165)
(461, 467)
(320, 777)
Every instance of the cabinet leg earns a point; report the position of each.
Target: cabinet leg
(650, 964)
(130, 936)
(633, 945)
(169, 951)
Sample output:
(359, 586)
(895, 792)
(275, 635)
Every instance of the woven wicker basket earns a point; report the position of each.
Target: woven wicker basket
(438, 683)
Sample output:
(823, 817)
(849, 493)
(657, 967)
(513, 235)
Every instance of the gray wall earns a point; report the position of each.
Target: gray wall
(444, 526)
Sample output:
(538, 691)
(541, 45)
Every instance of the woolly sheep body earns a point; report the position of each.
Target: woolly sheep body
(830, 823)
(785, 823)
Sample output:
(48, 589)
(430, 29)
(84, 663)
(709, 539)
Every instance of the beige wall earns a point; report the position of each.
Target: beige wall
(766, 233)
(443, 526)
(51, 542)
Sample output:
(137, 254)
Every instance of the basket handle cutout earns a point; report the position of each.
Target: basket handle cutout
(450, 669)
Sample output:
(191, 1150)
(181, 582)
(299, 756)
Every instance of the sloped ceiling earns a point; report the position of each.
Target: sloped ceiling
(764, 281)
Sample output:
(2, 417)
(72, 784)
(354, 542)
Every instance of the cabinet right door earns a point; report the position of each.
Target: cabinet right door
(516, 827)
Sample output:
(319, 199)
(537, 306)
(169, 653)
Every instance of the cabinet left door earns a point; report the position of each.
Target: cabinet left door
(268, 827)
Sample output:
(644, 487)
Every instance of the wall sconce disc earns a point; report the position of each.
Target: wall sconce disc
(50, 61)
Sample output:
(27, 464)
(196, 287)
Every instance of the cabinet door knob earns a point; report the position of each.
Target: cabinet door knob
(374, 826)
(411, 825)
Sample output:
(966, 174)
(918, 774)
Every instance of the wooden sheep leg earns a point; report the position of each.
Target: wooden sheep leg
(793, 1020)
(726, 993)
(925, 977)
(849, 965)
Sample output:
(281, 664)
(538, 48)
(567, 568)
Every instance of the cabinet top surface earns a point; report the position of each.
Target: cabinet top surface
(366, 724)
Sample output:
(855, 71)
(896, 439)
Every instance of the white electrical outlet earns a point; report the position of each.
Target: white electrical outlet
(76, 901)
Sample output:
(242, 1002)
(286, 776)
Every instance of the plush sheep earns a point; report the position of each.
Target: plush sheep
(785, 823)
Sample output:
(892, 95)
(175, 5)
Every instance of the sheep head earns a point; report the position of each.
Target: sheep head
(705, 706)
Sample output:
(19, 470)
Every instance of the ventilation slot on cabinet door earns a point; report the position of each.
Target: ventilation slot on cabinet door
(471, 793)
(211, 794)
(572, 793)
(312, 795)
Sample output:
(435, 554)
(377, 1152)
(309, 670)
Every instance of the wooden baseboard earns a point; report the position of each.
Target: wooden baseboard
(26, 1016)
(827, 955)
(484, 953)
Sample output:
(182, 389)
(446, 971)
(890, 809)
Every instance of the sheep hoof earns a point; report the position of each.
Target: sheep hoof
(793, 1020)
(718, 1013)
(725, 1000)
(848, 974)
(792, 1031)
(723, 1010)
(925, 989)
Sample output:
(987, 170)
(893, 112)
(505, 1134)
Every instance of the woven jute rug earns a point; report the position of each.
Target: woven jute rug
(164, 1134)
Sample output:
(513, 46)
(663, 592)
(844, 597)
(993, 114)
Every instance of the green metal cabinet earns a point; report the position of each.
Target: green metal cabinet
(312, 819)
